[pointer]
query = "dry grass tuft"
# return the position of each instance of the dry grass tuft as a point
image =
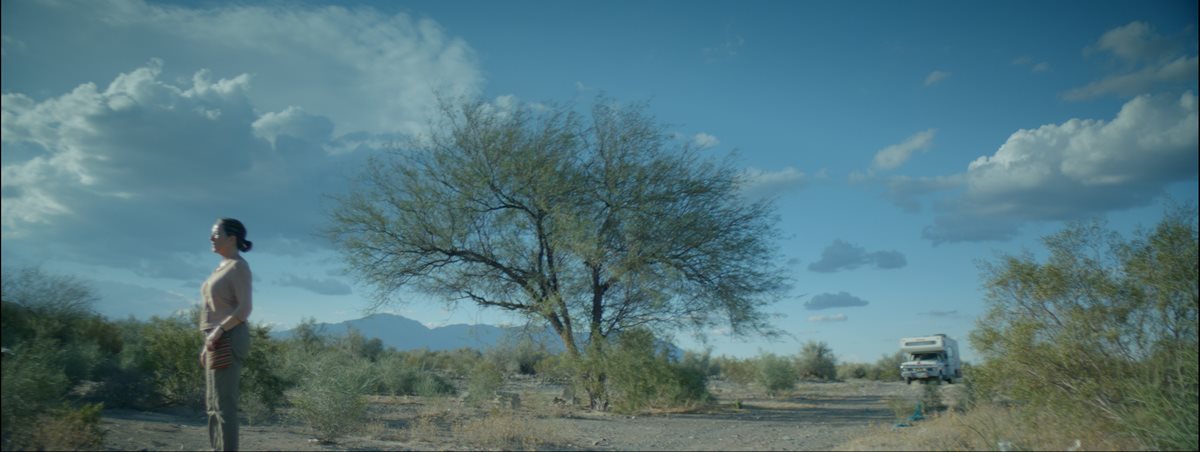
(988, 427)
(507, 430)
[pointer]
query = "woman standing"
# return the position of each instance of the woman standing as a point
(227, 304)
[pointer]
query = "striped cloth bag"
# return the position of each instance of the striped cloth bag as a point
(222, 357)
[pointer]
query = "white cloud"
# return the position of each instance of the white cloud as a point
(1134, 41)
(124, 141)
(293, 122)
(146, 166)
(838, 300)
(1040, 67)
(936, 77)
(366, 70)
(827, 318)
(1180, 70)
(1075, 169)
(249, 111)
(704, 141)
(1150, 60)
(893, 156)
(841, 255)
(759, 183)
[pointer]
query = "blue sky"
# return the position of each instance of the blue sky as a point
(904, 142)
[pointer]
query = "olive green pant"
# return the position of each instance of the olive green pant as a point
(221, 393)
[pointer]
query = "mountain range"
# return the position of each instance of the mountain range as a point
(403, 333)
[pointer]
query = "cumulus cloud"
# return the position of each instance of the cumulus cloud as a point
(326, 286)
(293, 122)
(759, 183)
(827, 318)
(704, 141)
(1150, 60)
(1075, 169)
(838, 300)
(841, 255)
(891, 157)
(249, 111)
(145, 166)
(936, 77)
(367, 70)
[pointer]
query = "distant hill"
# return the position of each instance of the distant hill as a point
(403, 333)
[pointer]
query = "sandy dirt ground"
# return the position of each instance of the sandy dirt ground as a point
(816, 416)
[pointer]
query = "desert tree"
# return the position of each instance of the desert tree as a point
(591, 223)
(1104, 330)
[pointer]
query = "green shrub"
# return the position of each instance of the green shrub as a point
(331, 399)
(33, 382)
(128, 388)
(172, 355)
(262, 384)
(638, 376)
(63, 428)
(887, 367)
(1102, 332)
(394, 378)
(702, 362)
(931, 398)
(517, 355)
(485, 380)
(555, 368)
(816, 360)
(459, 363)
(901, 407)
(736, 370)
(847, 371)
(356, 344)
(776, 374)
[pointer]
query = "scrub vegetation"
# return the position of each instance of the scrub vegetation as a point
(1091, 347)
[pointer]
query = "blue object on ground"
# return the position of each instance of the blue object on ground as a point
(916, 416)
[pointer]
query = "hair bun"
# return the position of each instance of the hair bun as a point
(246, 245)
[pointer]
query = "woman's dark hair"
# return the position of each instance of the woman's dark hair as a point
(237, 229)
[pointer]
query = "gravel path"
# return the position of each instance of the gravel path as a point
(815, 417)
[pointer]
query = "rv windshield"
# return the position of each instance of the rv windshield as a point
(927, 356)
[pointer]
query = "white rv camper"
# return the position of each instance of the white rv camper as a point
(930, 358)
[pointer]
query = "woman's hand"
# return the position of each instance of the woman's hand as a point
(210, 342)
